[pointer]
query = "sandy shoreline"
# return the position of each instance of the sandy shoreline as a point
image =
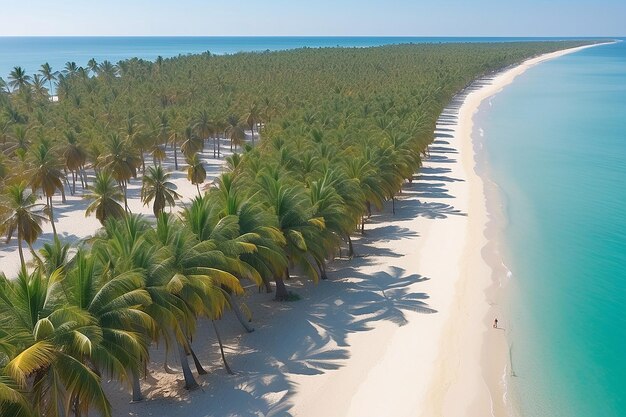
(404, 329)
(473, 366)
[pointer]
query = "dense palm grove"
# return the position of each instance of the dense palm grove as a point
(342, 130)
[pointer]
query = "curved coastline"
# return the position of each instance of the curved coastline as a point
(474, 361)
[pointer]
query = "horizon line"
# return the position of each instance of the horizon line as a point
(315, 36)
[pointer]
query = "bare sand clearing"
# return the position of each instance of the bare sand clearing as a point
(403, 329)
(73, 226)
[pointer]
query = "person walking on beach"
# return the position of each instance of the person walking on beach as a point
(495, 323)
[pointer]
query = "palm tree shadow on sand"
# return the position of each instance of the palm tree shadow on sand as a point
(309, 337)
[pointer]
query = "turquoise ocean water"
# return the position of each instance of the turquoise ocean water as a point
(555, 143)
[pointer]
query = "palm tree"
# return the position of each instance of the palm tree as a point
(131, 245)
(192, 143)
(13, 400)
(196, 174)
(38, 87)
(74, 157)
(70, 69)
(93, 66)
(120, 160)
(158, 189)
(55, 255)
(20, 140)
(48, 74)
(201, 270)
(204, 127)
(46, 176)
(4, 88)
(18, 78)
(252, 118)
(21, 216)
(52, 343)
(256, 224)
(294, 211)
(235, 131)
(117, 302)
(106, 196)
(107, 70)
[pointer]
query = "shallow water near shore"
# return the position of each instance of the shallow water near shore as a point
(555, 145)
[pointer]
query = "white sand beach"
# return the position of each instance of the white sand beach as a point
(402, 329)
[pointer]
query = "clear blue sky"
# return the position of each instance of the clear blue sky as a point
(314, 17)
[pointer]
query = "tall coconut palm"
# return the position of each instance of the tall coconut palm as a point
(106, 196)
(51, 343)
(296, 221)
(363, 170)
(120, 160)
(107, 70)
(38, 88)
(117, 302)
(92, 64)
(196, 174)
(158, 189)
(201, 270)
(329, 205)
(18, 79)
(252, 117)
(192, 143)
(19, 141)
(49, 75)
(55, 255)
(21, 215)
(235, 131)
(70, 69)
(75, 158)
(3, 87)
(205, 127)
(46, 176)
(255, 222)
(130, 245)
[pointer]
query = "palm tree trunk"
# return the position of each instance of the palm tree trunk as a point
(66, 181)
(281, 290)
(175, 152)
(19, 248)
(83, 177)
(268, 285)
(350, 247)
(219, 341)
(198, 188)
(54, 229)
(190, 381)
(125, 189)
(237, 310)
(196, 362)
(137, 395)
(322, 268)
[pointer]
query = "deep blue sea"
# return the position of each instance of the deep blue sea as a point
(31, 52)
(556, 146)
